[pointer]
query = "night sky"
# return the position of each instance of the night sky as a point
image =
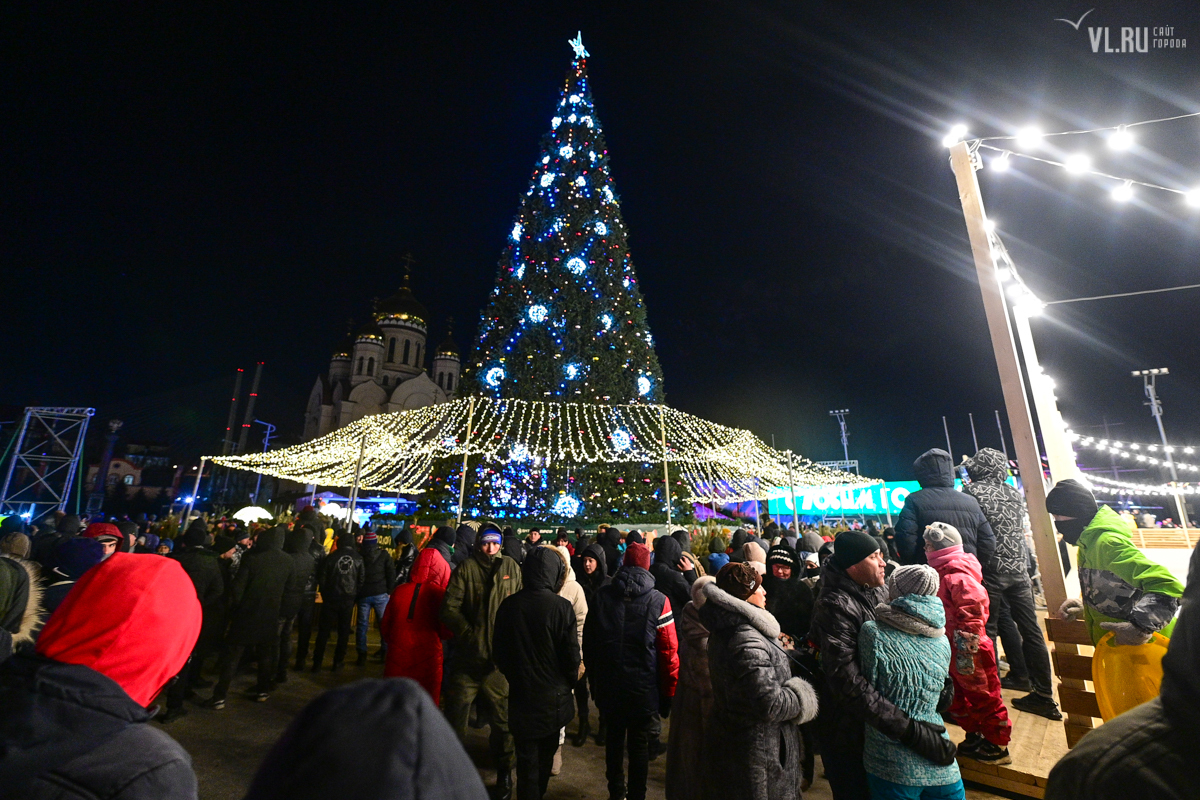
(192, 189)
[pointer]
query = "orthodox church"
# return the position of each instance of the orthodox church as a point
(380, 368)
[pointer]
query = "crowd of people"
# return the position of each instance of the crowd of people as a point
(758, 651)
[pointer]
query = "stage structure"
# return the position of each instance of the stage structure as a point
(396, 452)
(46, 452)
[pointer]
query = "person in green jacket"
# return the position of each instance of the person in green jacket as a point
(1123, 590)
(477, 587)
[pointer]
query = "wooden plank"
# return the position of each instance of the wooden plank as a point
(997, 782)
(1075, 733)
(1078, 701)
(1067, 631)
(1072, 665)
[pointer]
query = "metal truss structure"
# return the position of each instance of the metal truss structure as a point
(45, 457)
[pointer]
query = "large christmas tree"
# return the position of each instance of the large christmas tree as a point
(565, 323)
(566, 320)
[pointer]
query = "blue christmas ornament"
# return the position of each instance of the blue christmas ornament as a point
(643, 384)
(572, 371)
(493, 377)
(537, 314)
(565, 506)
(547, 179)
(576, 265)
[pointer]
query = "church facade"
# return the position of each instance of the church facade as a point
(381, 368)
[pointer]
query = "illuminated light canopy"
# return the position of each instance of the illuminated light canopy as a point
(643, 385)
(566, 506)
(712, 461)
(493, 377)
(519, 453)
(576, 265)
(538, 314)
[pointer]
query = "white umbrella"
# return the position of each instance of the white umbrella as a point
(252, 514)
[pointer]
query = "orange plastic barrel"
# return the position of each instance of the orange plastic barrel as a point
(1126, 676)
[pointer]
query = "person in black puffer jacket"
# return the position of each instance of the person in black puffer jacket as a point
(789, 598)
(536, 647)
(852, 585)
(340, 579)
(513, 547)
(371, 740)
(629, 641)
(379, 578)
(939, 501)
(753, 744)
(668, 577)
(300, 598)
(464, 542)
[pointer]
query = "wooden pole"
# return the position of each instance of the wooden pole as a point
(964, 162)
(662, 423)
(1058, 453)
(462, 483)
(362, 449)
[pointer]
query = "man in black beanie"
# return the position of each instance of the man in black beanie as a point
(1123, 590)
(852, 585)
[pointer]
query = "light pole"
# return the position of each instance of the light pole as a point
(841, 418)
(267, 436)
(1148, 377)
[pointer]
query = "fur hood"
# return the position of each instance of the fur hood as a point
(698, 598)
(762, 621)
(565, 555)
(30, 618)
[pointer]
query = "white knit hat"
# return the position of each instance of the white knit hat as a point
(942, 535)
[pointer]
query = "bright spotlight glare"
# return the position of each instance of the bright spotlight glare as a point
(1004, 274)
(955, 135)
(1029, 137)
(1120, 139)
(1078, 163)
(1123, 193)
(989, 225)
(1001, 163)
(1192, 198)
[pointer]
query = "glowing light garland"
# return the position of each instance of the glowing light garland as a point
(715, 462)
(1110, 486)
(1129, 450)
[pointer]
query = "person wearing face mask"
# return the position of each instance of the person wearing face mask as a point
(1123, 590)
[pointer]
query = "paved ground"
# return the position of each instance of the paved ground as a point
(227, 746)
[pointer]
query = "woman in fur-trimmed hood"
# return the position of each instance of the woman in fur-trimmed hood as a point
(753, 740)
(20, 603)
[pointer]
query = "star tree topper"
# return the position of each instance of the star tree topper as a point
(577, 44)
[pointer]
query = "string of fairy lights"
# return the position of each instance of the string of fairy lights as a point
(717, 463)
(1118, 138)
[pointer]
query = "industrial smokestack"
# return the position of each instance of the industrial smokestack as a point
(227, 444)
(249, 419)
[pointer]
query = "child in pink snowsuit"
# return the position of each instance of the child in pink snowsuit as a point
(978, 707)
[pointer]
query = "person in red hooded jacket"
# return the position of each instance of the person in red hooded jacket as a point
(73, 718)
(411, 624)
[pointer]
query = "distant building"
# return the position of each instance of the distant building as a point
(381, 368)
(140, 466)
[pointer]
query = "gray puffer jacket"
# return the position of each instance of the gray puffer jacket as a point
(754, 741)
(1004, 508)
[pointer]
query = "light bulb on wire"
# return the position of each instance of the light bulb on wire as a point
(1124, 192)
(1029, 137)
(1001, 163)
(955, 135)
(1077, 163)
(1120, 139)
(1192, 198)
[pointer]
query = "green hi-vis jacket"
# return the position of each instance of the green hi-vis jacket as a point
(1119, 583)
